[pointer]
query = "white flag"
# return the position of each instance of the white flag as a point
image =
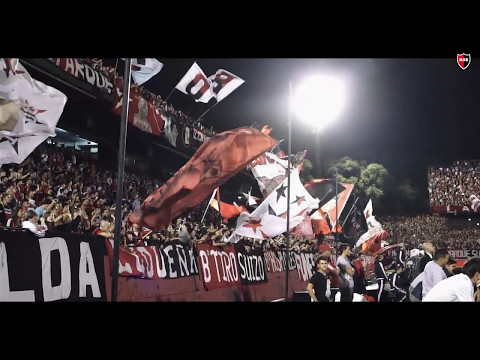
(368, 211)
(223, 83)
(371, 221)
(196, 84)
(270, 218)
(144, 69)
(29, 111)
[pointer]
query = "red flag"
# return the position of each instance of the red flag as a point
(319, 223)
(217, 160)
(227, 210)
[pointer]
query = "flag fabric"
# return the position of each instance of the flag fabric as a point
(227, 211)
(354, 226)
(270, 218)
(368, 211)
(142, 114)
(223, 83)
(304, 229)
(196, 84)
(144, 69)
(370, 219)
(371, 241)
(217, 160)
(319, 223)
(270, 170)
(323, 189)
(331, 207)
(29, 111)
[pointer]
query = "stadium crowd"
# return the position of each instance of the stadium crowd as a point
(69, 192)
(453, 185)
(157, 100)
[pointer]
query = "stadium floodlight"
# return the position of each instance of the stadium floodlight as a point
(319, 100)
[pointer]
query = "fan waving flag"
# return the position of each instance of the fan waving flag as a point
(144, 69)
(223, 83)
(29, 111)
(217, 160)
(270, 218)
(196, 84)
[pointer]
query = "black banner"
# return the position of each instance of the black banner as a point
(59, 266)
(180, 135)
(275, 261)
(251, 266)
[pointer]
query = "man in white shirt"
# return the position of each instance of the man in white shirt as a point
(32, 224)
(434, 272)
(457, 287)
(346, 273)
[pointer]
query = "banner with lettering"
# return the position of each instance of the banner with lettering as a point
(453, 209)
(85, 72)
(275, 260)
(141, 113)
(180, 134)
(218, 266)
(150, 262)
(463, 254)
(305, 265)
(58, 267)
(251, 265)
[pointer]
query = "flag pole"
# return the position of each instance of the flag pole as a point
(346, 217)
(211, 198)
(287, 238)
(336, 207)
(171, 92)
(120, 175)
(210, 108)
(355, 215)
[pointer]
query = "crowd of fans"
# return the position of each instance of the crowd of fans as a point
(453, 185)
(156, 100)
(442, 231)
(69, 192)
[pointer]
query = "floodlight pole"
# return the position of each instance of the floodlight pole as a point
(120, 175)
(287, 237)
(336, 207)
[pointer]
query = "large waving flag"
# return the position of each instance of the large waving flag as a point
(196, 84)
(29, 111)
(323, 189)
(144, 69)
(227, 210)
(223, 83)
(354, 225)
(319, 223)
(331, 207)
(270, 218)
(368, 212)
(218, 159)
(304, 229)
(270, 170)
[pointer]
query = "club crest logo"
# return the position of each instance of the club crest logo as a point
(463, 60)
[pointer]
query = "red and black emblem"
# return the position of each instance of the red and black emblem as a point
(463, 60)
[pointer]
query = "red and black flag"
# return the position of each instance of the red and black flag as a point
(217, 160)
(323, 189)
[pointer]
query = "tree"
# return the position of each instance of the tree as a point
(306, 173)
(371, 180)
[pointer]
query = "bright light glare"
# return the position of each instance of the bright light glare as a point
(319, 100)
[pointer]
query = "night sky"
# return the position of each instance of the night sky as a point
(403, 113)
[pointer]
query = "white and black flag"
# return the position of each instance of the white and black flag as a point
(29, 111)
